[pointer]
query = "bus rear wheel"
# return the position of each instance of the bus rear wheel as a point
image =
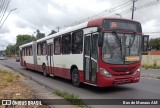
(45, 71)
(75, 77)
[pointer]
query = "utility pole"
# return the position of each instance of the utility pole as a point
(133, 8)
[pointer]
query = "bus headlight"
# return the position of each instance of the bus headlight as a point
(105, 73)
(137, 71)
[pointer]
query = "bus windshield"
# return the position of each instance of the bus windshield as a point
(121, 48)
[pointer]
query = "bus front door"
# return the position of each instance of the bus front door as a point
(90, 58)
(49, 57)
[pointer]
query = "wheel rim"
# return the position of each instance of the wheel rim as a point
(75, 78)
(44, 70)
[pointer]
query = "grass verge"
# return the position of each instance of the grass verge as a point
(7, 78)
(73, 99)
(150, 66)
(11, 86)
(158, 77)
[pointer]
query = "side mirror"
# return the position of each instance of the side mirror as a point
(145, 40)
(100, 40)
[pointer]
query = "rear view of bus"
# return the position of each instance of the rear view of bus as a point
(119, 52)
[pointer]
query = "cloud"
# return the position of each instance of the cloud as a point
(5, 41)
(21, 24)
(46, 15)
(4, 30)
(149, 25)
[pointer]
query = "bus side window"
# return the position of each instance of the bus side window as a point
(44, 48)
(66, 44)
(57, 46)
(38, 49)
(77, 42)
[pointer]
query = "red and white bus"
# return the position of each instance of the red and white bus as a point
(102, 52)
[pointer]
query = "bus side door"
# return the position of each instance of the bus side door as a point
(50, 57)
(90, 58)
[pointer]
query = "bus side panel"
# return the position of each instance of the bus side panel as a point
(81, 76)
(62, 72)
(63, 63)
(29, 62)
(41, 59)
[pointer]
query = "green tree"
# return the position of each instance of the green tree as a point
(10, 50)
(23, 39)
(40, 35)
(154, 43)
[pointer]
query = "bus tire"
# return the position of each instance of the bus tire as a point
(44, 70)
(75, 77)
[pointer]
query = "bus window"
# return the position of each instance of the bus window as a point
(31, 52)
(77, 42)
(38, 49)
(57, 46)
(43, 48)
(27, 51)
(66, 44)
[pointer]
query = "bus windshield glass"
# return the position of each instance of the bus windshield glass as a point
(121, 48)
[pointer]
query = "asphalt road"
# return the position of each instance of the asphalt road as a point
(145, 89)
(155, 72)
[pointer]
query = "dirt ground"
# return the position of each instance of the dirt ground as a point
(15, 86)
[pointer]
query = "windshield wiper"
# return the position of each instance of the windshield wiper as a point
(134, 34)
(117, 39)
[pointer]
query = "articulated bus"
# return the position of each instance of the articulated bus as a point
(102, 52)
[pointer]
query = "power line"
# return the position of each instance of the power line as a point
(7, 17)
(1, 8)
(121, 6)
(99, 14)
(1, 3)
(147, 5)
(117, 9)
(140, 7)
(7, 4)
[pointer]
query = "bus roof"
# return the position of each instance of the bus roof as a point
(27, 44)
(93, 23)
(69, 29)
(98, 22)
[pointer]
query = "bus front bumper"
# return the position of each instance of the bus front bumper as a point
(117, 80)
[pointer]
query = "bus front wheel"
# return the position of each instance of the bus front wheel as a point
(75, 77)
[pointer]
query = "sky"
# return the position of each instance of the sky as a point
(47, 15)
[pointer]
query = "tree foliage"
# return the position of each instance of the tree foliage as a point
(22, 39)
(154, 43)
(39, 35)
(10, 50)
